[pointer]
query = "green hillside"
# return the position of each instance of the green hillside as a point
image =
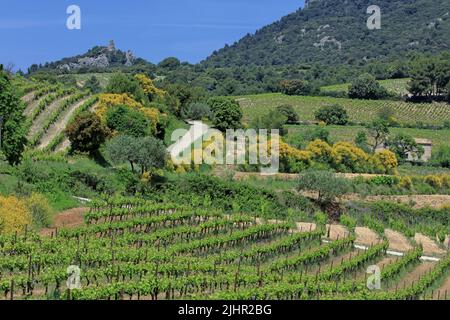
(394, 86)
(335, 32)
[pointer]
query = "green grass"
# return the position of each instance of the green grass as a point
(395, 86)
(360, 111)
(348, 133)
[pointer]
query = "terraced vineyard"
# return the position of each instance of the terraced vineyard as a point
(133, 249)
(359, 111)
(48, 110)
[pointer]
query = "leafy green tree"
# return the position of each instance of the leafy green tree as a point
(326, 184)
(361, 141)
(430, 76)
(295, 87)
(366, 87)
(332, 115)
(123, 83)
(152, 154)
(87, 133)
(272, 120)
(196, 111)
(379, 132)
(12, 131)
(170, 63)
(93, 84)
(227, 113)
(404, 145)
(127, 121)
(148, 152)
(288, 111)
(123, 149)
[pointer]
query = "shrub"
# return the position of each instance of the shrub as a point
(366, 87)
(87, 133)
(295, 87)
(320, 218)
(40, 210)
(384, 181)
(434, 181)
(196, 111)
(406, 183)
(127, 121)
(446, 181)
(387, 161)
(14, 215)
(348, 222)
(321, 150)
(288, 111)
(332, 115)
(442, 157)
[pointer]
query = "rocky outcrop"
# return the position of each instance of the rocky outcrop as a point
(100, 61)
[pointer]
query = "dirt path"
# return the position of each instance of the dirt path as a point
(68, 219)
(414, 275)
(60, 124)
(441, 292)
(28, 97)
(39, 121)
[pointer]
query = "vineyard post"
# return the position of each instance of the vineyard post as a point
(12, 290)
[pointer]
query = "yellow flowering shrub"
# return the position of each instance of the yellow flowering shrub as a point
(406, 183)
(321, 150)
(351, 157)
(148, 86)
(446, 181)
(385, 160)
(434, 181)
(14, 215)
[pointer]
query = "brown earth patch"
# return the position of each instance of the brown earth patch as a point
(430, 247)
(367, 237)
(397, 241)
(68, 219)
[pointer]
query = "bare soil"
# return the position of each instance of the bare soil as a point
(430, 247)
(68, 219)
(367, 237)
(397, 241)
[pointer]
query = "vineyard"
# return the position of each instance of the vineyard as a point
(393, 86)
(359, 111)
(132, 249)
(48, 110)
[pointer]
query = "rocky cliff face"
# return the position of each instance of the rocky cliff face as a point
(100, 57)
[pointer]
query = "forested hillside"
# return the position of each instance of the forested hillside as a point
(335, 31)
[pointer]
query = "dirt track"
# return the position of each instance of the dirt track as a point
(69, 219)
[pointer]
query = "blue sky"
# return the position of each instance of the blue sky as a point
(35, 31)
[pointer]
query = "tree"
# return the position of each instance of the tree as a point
(366, 87)
(87, 133)
(272, 120)
(196, 111)
(332, 115)
(326, 184)
(404, 145)
(170, 63)
(12, 130)
(152, 154)
(430, 76)
(288, 111)
(93, 85)
(122, 149)
(147, 152)
(128, 121)
(361, 140)
(379, 131)
(227, 113)
(295, 87)
(122, 83)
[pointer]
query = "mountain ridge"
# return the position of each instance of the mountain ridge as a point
(333, 31)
